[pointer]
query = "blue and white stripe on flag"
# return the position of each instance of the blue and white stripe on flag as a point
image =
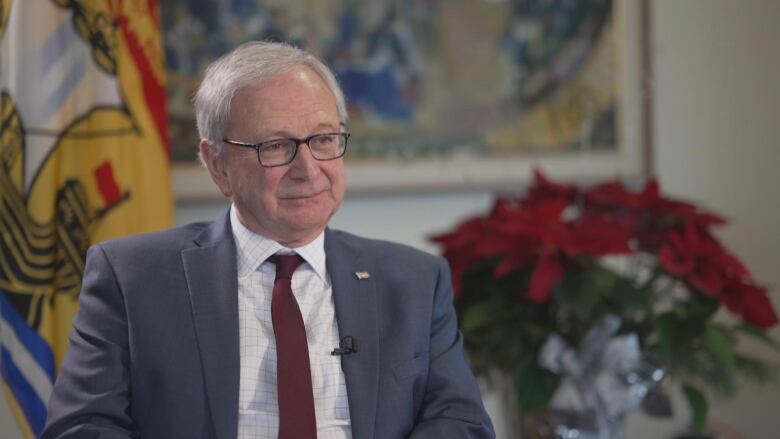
(26, 363)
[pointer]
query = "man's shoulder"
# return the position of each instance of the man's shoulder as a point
(379, 249)
(175, 239)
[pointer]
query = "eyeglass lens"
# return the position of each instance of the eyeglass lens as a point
(322, 146)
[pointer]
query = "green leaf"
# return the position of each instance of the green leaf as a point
(481, 314)
(718, 344)
(698, 404)
(755, 369)
(534, 386)
(701, 307)
(630, 298)
(674, 338)
(667, 341)
(677, 338)
(759, 335)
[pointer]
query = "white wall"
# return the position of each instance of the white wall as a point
(717, 141)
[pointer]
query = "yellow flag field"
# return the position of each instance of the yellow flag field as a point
(83, 158)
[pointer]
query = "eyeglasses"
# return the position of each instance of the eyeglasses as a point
(279, 152)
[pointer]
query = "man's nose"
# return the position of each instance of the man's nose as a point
(304, 165)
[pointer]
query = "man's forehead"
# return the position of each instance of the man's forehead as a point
(271, 130)
(292, 103)
(296, 76)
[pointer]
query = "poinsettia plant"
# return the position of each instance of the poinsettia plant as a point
(560, 259)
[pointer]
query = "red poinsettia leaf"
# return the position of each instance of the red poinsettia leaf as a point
(491, 245)
(596, 236)
(694, 256)
(708, 280)
(503, 208)
(734, 266)
(708, 219)
(520, 226)
(651, 240)
(757, 308)
(550, 210)
(544, 188)
(510, 263)
(692, 240)
(609, 194)
(750, 302)
(674, 262)
(650, 193)
(680, 212)
(461, 237)
(456, 273)
(547, 272)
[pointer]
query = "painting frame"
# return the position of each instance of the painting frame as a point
(192, 184)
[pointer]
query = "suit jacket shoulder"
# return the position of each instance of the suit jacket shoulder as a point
(170, 240)
(149, 253)
(381, 251)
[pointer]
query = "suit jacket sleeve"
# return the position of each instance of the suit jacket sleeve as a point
(452, 406)
(91, 397)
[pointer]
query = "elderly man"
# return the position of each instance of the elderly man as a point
(266, 323)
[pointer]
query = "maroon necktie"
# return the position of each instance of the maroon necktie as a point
(296, 401)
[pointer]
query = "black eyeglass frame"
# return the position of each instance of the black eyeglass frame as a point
(298, 143)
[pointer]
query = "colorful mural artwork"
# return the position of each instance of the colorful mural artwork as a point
(429, 80)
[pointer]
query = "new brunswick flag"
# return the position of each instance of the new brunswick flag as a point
(83, 158)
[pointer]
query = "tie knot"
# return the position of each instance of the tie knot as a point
(286, 264)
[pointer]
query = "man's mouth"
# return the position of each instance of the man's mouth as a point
(293, 197)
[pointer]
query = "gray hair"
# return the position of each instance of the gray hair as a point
(249, 63)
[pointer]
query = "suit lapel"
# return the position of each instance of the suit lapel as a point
(212, 281)
(356, 313)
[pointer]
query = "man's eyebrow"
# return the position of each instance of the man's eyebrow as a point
(329, 126)
(320, 128)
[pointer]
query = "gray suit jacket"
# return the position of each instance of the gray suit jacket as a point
(155, 347)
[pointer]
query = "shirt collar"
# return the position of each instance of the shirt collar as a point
(253, 249)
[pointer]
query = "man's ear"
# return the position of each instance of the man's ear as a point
(216, 166)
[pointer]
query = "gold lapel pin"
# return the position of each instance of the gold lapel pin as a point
(362, 275)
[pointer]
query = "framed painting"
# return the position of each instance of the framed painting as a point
(457, 94)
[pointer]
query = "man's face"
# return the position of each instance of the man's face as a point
(293, 203)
